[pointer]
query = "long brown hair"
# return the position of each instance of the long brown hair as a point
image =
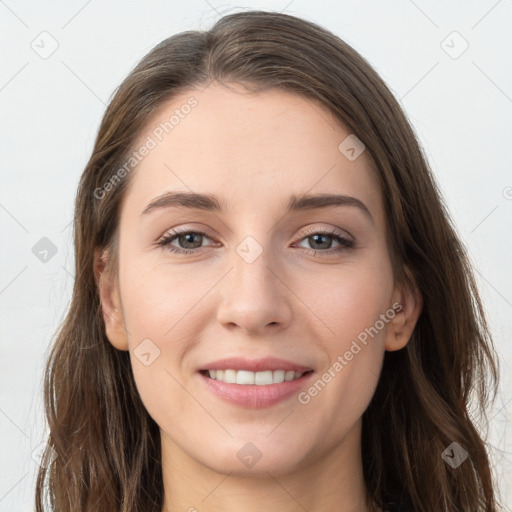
(106, 447)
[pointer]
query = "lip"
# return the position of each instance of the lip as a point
(252, 396)
(255, 365)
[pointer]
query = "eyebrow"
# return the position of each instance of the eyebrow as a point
(211, 203)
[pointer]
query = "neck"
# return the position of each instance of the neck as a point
(331, 481)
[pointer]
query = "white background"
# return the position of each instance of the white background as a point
(50, 110)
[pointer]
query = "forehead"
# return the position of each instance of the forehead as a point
(249, 148)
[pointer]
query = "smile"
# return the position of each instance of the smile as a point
(262, 378)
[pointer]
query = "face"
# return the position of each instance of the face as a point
(303, 292)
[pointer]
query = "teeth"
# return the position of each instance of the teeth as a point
(290, 375)
(259, 378)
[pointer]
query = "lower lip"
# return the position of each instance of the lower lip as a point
(252, 396)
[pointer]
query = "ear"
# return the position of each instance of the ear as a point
(110, 302)
(407, 304)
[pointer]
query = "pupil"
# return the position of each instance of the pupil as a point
(189, 238)
(320, 236)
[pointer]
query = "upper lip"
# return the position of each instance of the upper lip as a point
(254, 365)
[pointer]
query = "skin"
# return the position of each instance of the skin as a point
(253, 151)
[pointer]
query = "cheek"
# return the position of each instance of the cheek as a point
(162, 315)
(161, 320)
(161, 302)
(348, 301)
(351, 333)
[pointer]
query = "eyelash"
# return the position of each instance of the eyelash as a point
(345, 243)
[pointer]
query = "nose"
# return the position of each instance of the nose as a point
(255, 297)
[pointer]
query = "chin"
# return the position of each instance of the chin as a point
(253, 458)
(275, 465)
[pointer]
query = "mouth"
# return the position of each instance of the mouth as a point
(255, 389)
(254, 383)
(259, 378)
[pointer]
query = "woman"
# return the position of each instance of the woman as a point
(316, 349)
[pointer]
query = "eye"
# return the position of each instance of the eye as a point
(319, 239)
(189, 242)
(192, 240)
